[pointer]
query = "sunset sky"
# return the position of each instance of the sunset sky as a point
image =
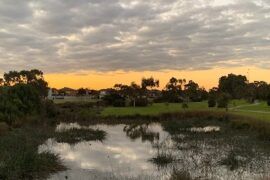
(97, 43)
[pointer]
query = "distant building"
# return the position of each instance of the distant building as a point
(105, 92)
(68, 91)
(54, 94)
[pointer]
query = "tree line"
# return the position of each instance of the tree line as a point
(23, 93)
(182, 91)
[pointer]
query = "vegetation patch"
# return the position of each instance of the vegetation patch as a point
(74, 136)
(162, 159)
(20, 159)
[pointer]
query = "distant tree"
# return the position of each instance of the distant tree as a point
(149, 82)
(193, 92)
(211, 101)
(114, 99)
(134, 92)
(174, 90)
(268, 100)
(81, 92)
(260, 89)
(223, 100)
(235, 85)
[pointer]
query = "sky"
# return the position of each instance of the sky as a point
(96, 43)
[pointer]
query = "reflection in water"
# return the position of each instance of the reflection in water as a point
(142, 131)
(205, 129)
(116, 156)
(128, 149)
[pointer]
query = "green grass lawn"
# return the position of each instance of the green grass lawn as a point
(159, 108)
(74, 99)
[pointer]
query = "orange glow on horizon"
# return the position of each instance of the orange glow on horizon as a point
(205, 78)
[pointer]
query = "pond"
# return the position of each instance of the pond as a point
(147, 151)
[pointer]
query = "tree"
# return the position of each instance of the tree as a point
(149, 82)
(268, 100)
(19, 101)
(234, 85)
(81, 92)
(174, 90)
(223, 100)
(194, 93)
(212, 102)
(33, 77)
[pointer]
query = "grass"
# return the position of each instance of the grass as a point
(155, 109)
(162, 159)
(75, 99)
(20, 159)
(74, 136)
(244, 109)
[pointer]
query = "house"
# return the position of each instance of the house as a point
(104, 92)
(66, 91)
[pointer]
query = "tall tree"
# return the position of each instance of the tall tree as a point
(149, 82)
(33, 77)
(234, 85)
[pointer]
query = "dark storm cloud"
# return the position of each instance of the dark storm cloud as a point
(106, 35)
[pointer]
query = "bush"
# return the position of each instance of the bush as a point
(268, 100)
(51, 110)
(18, 102)
(119, 103)
(184, 105)
(114, 99)
(223, 100)
(211, 102)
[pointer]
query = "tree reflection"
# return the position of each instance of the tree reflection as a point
(136, 131)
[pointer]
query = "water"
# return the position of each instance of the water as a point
(128, 150)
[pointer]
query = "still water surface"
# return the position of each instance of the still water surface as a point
(126, 154)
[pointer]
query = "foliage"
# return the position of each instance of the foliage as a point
(20, 159)
(74, 136)
(184, 105)
(234, 85)
(51, 111)
(114, 99)
(268, 100)
(33, 77)
(223, 100)
(81, 92)
(211, 102)
(18, 101)
(149, 82)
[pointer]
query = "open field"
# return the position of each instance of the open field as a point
(240, 107)
(74, 99)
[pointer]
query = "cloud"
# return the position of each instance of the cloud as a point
(105, 35)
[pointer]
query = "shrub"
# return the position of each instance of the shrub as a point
(268, 100)
(223, 100)
(114, 99)
(184, 105)
(119, 103)
(51, 110)
(211, 102)
(19, 101)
